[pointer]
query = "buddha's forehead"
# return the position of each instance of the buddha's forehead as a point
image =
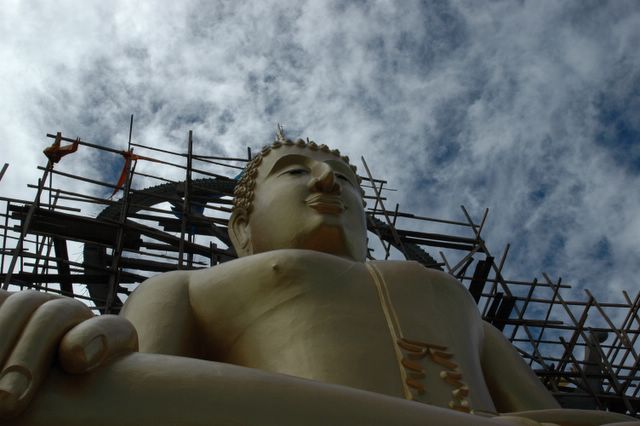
(299, 155)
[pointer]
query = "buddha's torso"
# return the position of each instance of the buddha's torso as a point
(326, 318)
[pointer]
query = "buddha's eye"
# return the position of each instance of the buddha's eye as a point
(343, 178)
(297, 172)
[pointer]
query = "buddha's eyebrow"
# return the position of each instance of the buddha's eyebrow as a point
(288, 160)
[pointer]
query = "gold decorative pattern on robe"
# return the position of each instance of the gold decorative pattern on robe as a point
(415, 351)
(410, 353)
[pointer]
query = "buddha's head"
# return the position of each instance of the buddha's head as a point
(299, 195)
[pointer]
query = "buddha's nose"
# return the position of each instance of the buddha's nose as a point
(324, 179)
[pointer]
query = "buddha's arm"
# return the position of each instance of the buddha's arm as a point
(166, 390)
(516, 390)
(512, 384)
(161, 313)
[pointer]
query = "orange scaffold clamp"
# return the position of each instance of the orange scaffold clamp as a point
(128, 157)
(55, 152)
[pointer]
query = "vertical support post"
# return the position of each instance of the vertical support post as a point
(114, 271)
(377, 232)
(114, 276)
(392, 228)
(378, 192)
(39, 248)
(612, 353)
(623, 340)
(27, 222)
(446, 262)
(4, 235)
(467, 258)
(395, 218)
(578, 368)
(498, 271)
(556, 289)
(4, 169)
(626, 327)
(579, 332)
(525, 305)
(186, 203)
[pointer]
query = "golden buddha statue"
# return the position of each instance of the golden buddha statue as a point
(300, 329)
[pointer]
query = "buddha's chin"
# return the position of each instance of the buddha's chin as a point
(328, 239)
(326, 233)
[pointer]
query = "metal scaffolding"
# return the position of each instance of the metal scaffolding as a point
(585, 351)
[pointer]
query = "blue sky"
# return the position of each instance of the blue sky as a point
(529, 108)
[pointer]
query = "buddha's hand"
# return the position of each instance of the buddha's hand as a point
(34, 326)
(520, 421)
(584, 420)
(566, 416)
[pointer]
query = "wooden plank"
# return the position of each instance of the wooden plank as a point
(75, 227)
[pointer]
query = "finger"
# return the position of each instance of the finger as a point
(517, 421)
(27, 365)
(14, 316)
(92, 342)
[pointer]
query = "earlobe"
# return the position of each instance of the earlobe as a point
(239, 232)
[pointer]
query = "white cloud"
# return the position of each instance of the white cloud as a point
(493, 105)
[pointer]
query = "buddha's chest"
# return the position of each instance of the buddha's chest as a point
(282, 309)
(328, 319)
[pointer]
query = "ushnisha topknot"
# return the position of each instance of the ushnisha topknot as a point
(243, 192)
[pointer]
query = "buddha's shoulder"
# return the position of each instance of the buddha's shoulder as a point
(413, 269)
(158, 289)
(409, 273)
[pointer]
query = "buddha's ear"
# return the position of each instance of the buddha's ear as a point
(239, 232)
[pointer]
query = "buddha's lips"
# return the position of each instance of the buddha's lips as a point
(324, 203)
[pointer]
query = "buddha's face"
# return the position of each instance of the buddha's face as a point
(304, 199)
